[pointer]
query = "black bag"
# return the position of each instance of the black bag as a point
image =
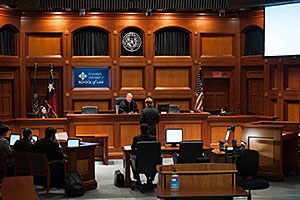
(118, 179)
(74, 185)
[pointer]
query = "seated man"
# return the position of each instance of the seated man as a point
(5, 148)
(144, 136)
(53, 151)
(25, 144)
(128, 105)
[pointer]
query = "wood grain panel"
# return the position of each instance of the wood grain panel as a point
(265, 147)
(217, 45)
(275, 108)
(184, 104)
(256, 96)
(94, 130)
(292, 111)
(132, 77)
(292, 77)
(172, 77)
(41, 45)
(273, 77)
(102, 105)
(191, 131)
(128, 131)
(6, 99)
(83, 166)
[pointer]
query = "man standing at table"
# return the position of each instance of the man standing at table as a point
(128, 106)
(150, 116)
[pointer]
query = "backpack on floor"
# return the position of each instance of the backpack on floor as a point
(74, 185)
(118, 179)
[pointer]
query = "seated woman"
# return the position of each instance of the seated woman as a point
(224, 111)
(43, 113)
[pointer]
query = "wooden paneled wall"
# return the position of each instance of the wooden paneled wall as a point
(216, 44)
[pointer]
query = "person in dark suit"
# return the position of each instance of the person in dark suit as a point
(53, 151)
(25, 144)
(144, 136)
(5, 148)
(128, 105)
(150, 116)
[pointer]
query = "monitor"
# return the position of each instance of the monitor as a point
(13, 138)
(34, 138)
(226, 114)
(73, 143)
(163, 108)
(174, 136)
(174, 109)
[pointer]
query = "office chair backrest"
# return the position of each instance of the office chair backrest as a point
(117, 103)
(89, 110)
(247, 163)
(148, 155)
(190, 151)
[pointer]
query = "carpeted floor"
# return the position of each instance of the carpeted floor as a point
(287, 190)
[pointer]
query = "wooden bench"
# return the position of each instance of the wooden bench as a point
(199, 180)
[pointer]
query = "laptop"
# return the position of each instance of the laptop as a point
(34, 138)
(13, 138)
(73, 143)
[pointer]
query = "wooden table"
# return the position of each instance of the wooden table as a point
(82, 159)
(166, 193)
(101, 151)
(126, 160)
(199, 180)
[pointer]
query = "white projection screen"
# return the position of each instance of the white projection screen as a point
(282, 31)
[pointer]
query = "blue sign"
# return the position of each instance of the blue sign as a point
(91, 77)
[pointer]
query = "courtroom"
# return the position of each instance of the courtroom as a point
(146, 99)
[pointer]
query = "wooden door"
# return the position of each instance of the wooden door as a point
(216, 93)
(6, 99)
(255, 103)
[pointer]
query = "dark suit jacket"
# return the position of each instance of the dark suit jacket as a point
(126, 107)
(140, 138)
(23, 145)
(50, 148)
(150, 116)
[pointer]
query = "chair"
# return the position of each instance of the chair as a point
(40, 166)
(18, 187)
(190, 152)
(148, 155)
(117, 103)
(247, 165)
(89, 110)
(22, 163)
(3, 166)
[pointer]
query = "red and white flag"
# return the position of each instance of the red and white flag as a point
(51, 96)
(199, 94)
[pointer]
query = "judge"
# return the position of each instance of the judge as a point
(128, 106)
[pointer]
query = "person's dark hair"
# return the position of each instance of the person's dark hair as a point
(26, 132)
(144, 128)
(3, 129)
(224, 108)
(50, 131)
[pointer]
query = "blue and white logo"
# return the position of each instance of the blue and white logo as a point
(82, 76)
(92, 77)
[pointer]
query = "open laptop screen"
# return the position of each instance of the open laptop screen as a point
(13, 138)
(73, 143)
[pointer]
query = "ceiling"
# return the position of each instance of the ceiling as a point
(163, 6)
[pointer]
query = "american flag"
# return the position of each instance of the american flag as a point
(199, 94)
